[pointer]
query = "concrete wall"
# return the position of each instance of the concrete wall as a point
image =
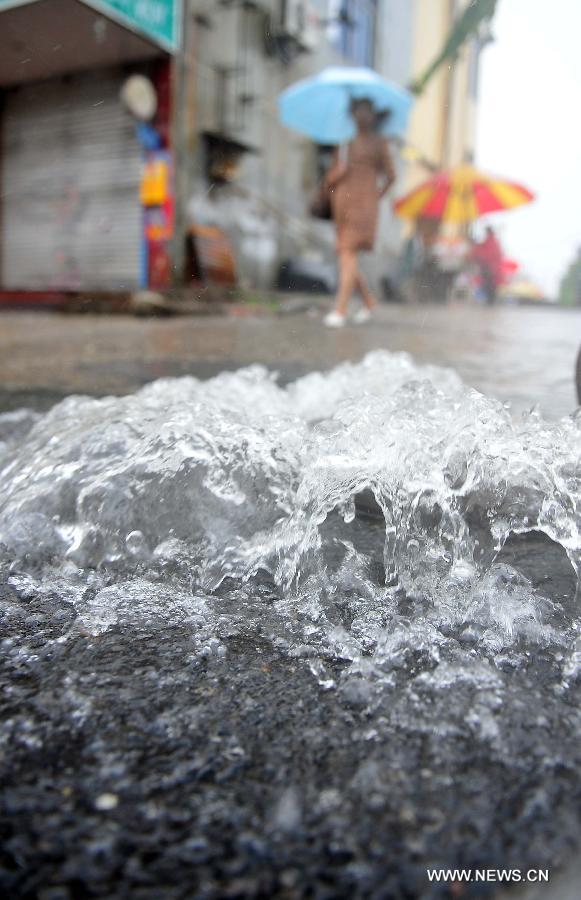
(442, 127)
(394, 59)
(266, 209)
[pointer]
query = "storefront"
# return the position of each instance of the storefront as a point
(74, 214)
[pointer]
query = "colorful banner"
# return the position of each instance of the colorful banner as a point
(157, 203)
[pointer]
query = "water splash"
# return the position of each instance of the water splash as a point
(230, 505)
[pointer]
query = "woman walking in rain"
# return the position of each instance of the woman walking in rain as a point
(357, 184)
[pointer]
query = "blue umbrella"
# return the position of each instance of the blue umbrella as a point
(319, 106)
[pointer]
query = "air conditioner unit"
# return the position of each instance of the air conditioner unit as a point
(299, 22)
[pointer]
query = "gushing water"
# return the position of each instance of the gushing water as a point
(231, 505)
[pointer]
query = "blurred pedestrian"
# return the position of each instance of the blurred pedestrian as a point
(357, 181)
(488, 256)
(409, 264)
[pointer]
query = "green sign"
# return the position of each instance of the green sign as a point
(9, 4)
(158, 20)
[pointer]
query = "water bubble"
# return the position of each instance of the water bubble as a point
(455, 469)
(137, 545)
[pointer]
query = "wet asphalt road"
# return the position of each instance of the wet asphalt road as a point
(132, 771)
(522, 355)
(134, 768)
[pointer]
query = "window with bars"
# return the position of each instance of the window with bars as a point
(353, 30)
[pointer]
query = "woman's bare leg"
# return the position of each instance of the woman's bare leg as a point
(362, 286)
(347, 279)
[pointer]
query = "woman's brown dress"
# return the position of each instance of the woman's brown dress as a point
(355, 193)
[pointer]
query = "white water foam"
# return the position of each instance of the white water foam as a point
(230, 505)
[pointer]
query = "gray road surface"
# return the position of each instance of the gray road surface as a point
(522, 355)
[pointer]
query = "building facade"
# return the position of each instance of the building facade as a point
(99, 195)
(442, 129)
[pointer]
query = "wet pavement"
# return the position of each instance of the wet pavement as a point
(137, 768)
(522, 355)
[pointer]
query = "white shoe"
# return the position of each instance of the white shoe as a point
(362, 316)
(334, 320)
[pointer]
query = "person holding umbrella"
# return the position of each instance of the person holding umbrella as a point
(354, 109)
(357, 184)
(488, 257)
(460, 196)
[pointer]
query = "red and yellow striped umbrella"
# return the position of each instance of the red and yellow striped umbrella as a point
(461, 195)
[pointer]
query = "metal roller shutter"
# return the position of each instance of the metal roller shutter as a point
(70, 170)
